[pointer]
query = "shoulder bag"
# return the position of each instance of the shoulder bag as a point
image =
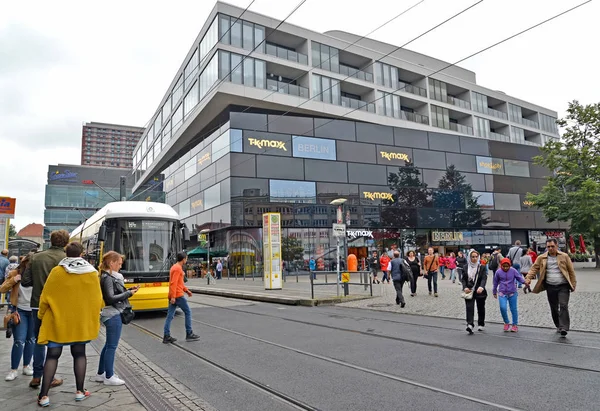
(469, 296)
(127, 314)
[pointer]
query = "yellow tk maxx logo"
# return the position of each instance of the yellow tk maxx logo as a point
(394, 156)
(267, 143)
(373, 196)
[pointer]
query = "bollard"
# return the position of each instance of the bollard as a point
(312, 289)
(346, 289)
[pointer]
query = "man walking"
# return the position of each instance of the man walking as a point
(514, 255)
(398, 272)
(495, 259)
(35, 276)
(3, 263)
(374, 266)
(557, 277)
(431, 265)
(177, 299)
(219, 269)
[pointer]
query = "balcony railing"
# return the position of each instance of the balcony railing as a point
(287, 88)
(499, 137)
(461, 129)
(458, 102)
(358, 104)
(527, 122)
(494, 113)
(414, 117)
(409, 88)
(356, 73)
(286, 54)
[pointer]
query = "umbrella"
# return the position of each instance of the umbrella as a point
(571, 245)
(582, 245)
(198, 251)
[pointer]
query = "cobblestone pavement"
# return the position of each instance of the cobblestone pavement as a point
(584, 306)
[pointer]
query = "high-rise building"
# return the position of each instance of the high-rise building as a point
(108, 145)
(289, 124)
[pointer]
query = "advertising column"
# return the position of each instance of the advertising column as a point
(272, 251)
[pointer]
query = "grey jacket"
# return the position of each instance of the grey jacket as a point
(114, 293)
(38, 271)
(526, 264)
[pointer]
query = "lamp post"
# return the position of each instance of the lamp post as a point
(207, 232)
(339, 202)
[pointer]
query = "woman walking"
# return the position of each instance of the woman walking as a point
(23, 335)
(461, 265)
(116, 297)
(473, 281)
(69, 307)
(415, 268)
(451, 265)
(526, 264)
(505, 291)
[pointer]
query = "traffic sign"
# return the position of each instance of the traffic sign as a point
(339, 230)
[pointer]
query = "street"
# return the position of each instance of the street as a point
(259, 356)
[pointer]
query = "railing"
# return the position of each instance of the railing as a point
(496, 113)
(286, 54)
(358, 104)
(527, 122)
(414, 117)
(499, 137)
(364, 279)
(458, 102)
(461, 129)
(409, 88)
(287, 88)
(356, 73)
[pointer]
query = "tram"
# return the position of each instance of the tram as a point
(148, 235)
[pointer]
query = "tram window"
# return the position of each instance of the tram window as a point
(146, 244)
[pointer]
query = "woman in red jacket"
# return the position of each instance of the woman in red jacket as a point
(383, 263)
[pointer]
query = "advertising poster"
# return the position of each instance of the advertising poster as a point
(272, 251)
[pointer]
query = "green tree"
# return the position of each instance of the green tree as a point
(291, 249)
(573, 190)
(12, 231)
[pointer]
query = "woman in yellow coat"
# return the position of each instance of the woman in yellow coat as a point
(70, 307)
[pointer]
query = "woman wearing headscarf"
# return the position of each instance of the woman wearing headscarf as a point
(473, 280)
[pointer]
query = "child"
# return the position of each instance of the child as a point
(505, 290)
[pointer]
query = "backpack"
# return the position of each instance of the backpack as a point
(406, 271)
(494, 264)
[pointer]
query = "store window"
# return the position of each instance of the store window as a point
(482, 199)
(490, 165)
(516, 168)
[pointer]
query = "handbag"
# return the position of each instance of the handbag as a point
(469, 296)
(127, 315)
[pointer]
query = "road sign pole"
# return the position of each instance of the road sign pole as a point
(338, 267)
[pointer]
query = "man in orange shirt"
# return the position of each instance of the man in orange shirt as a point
(177, 299)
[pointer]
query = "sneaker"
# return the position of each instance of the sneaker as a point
(563, 333)
(168, 339)
(12, 375)
(514, 329)
(99, 377)
(44, 401)
(82, 395)
(435, 294)
(506, 327)
(412, 295)
(402, 305)
(470, 329)
(481, 328)
(28, 370)
(114, 380)
(192, 337)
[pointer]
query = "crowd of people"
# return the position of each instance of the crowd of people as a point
(553, 270)
(58, 299)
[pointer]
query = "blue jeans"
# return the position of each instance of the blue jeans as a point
(23, 340)
(385, 277)
(442, 271)
(180, 302)
(512, 302)
(517, 267)
(453, 274)
(39, 351)
(106, 365)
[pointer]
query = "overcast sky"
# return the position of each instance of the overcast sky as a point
(63, 63)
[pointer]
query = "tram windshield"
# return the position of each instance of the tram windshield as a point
(146, 245)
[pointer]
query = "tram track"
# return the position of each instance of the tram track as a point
(412, 341)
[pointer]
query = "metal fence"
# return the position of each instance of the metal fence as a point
(364, 280)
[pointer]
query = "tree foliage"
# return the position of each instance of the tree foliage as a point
(572, 192)
(292, 249)
(457, 194)
(12, 231)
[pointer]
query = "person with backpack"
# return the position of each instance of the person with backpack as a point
(514, 255)
(495, 258)
(400, 272)
(505, 292)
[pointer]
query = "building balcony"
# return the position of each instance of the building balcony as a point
(461, 128)
(527, 122)
(498, 137)
(283, 53)
(414, 117)
(458, 102)
(356, 73)
(357, 104)
(287, 88)
(409, 88)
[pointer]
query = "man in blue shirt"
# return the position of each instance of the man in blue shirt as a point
(312, 265)
(3, 264)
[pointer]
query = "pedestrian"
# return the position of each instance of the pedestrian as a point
(400, 272)
(451, 265)
(390, 253)
(3, 264)
(312, 266)
(473, 281)
(526, 264)
(35, 276)
(532, 253)
(383, 263)
(374, 266)
(23, 337)
(177, 299)
(461, 264)
(494, 260)
(68, 309)
(506, 292)
(514, 255)
(116, 300)
(442, 262)
(13, 263)
(557, 278)
(431, 265)
(219, 269)
(415, 268)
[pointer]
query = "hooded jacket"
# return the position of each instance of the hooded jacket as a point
(504, 281)
(70, 303)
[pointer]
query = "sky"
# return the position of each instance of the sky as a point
(63, 63)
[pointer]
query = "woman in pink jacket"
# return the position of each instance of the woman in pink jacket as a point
(451, 265)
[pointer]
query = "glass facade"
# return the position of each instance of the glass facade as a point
(251, 72)
(548, 123)
(242, 34)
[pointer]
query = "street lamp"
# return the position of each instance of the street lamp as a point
(339, 202)
(207, 232)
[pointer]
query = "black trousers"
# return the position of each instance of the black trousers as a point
(558, 298)
(470, 304)
(398, 286)
(413, 283)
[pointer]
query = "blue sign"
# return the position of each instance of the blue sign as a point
(309, 147)
(287, 191)
(65, 175)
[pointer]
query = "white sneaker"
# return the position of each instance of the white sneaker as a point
(28, 370)
(99, 377)
(12, 375)
(481, 328)
(114, 380)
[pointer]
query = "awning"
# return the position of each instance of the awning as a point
(198, 251)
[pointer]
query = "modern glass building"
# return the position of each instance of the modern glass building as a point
(286, 120)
